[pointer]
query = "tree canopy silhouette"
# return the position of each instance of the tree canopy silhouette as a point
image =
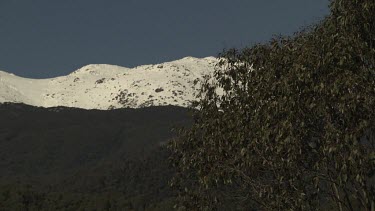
(287, 125)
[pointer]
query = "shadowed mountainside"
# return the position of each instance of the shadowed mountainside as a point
(75, 158)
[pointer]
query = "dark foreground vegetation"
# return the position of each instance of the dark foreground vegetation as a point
(295, 127)
(74, 159)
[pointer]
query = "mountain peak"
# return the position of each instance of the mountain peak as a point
(99, 69)
(105, 86)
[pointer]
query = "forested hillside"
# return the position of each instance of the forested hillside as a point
(74, 159)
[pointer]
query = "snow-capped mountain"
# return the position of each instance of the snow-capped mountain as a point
(102, 86)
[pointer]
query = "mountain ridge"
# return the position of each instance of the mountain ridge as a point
(105, 86)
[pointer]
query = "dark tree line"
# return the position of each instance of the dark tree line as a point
(137, 184)
(74, 159)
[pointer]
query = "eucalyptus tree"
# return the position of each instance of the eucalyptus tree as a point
(293, 128)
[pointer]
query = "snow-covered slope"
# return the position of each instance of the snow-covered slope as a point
(102, 86)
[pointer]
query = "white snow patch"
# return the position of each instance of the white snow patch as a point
(104, 86)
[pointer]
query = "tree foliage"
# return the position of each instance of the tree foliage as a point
(293, 128)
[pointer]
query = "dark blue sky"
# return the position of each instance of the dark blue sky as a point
(46, 38)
